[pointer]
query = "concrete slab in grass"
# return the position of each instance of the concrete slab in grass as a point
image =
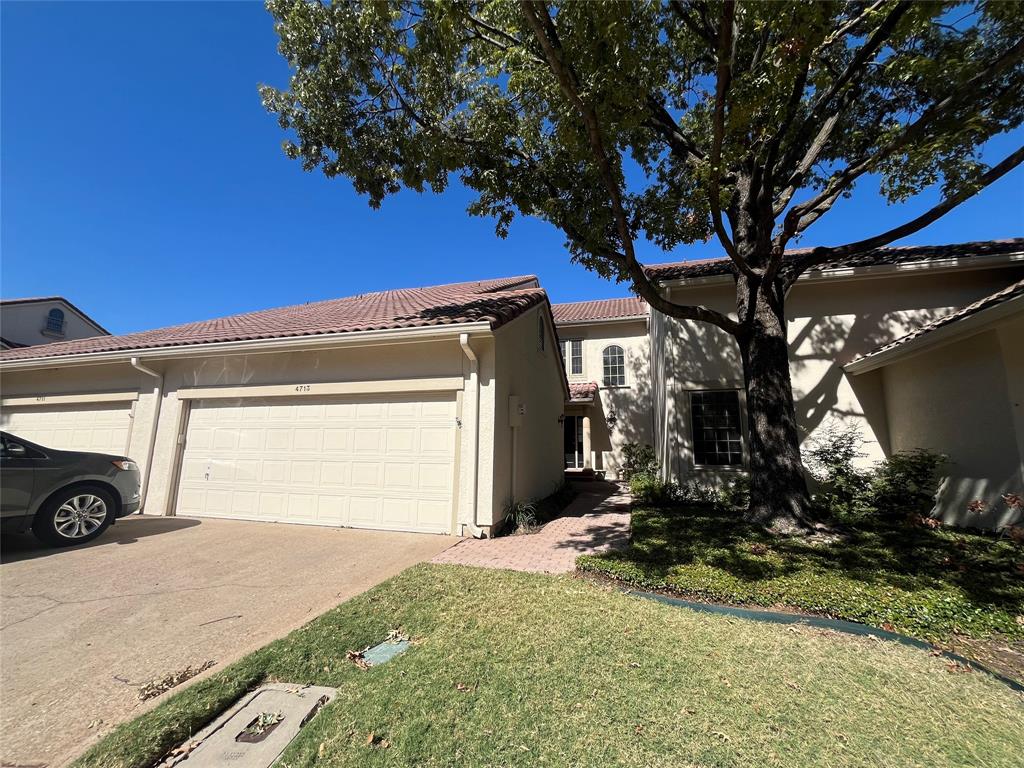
(235, 739)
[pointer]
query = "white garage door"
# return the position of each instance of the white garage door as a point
(363, 462)
(101, 427)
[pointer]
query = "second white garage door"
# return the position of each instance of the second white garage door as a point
(364, 462)
(100, 427)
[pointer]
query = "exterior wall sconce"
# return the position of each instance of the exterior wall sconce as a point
(611, 420)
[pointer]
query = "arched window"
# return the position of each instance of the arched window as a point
(55, 321)
(614, 366)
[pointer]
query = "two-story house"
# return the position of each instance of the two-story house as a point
(915, 347)
(28, 322)
(606, 349)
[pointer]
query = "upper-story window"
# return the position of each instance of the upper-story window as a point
(55, 321)
(572, 356)
(614, 361)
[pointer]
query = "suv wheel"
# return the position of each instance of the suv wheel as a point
(74, 516)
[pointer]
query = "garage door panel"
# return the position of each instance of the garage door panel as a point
(380, 462)
(100, 427)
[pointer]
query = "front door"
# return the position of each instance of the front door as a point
(574, 442)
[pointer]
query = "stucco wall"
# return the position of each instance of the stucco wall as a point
(387, 361)
(830, 324)
(24, 323)
(632, 404)
(955, 399)
(535, 377)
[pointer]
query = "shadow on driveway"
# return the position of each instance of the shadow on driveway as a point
(17, 547)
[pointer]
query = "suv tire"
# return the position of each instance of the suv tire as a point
(74, 516)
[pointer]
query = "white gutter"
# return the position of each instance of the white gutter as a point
(158, 393)
(474, 434)
(876, 270)
(256, 346)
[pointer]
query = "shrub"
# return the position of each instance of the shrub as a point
(648, 488)
(902, 485)
(842, 487)
(735, 492)
(638, 459)
(521, 516)
(905, 483)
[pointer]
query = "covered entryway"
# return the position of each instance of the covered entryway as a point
(368, 461)
(59, 422)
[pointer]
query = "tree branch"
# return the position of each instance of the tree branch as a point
(662, 122)
(803, 215)
(539, 21)
(850, 76)
(823, 255)
(723, 79)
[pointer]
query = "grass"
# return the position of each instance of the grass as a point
(513, 669)
(931, 584)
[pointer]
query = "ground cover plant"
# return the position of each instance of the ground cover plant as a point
(514, 669)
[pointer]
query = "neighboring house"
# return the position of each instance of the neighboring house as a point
(918, 347)
(606, 351)
(424, 409)
(28, 322)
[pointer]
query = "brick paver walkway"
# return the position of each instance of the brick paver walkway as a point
(596, 520)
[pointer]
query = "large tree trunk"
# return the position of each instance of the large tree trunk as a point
(778, 491)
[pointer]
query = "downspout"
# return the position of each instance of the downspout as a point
(158, 392)
(474, 435)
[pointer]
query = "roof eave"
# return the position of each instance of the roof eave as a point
(601, 321)
(937, 337)
(257, 346)
(875, 270)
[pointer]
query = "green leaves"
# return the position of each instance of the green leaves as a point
(406, 94)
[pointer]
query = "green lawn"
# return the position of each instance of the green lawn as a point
(513, 669)
(927, 583)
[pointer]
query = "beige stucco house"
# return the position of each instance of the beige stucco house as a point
(419, 410)
(430, 409)
(44, 320)
(918, 347)
(606, 351)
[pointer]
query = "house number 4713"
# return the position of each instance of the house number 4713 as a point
(302, 387)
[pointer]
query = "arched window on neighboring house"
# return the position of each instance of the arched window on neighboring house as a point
(55, 321)
(614, 361)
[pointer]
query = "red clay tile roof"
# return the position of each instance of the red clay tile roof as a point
(605, 309)
(493, 301)
(582, 393)
(1016, 290)
(893, 255)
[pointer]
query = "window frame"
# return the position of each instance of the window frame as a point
(604, 366)
(569, 348)
(56, 321)
(740, 428)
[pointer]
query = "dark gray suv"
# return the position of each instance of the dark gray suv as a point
(63, 497)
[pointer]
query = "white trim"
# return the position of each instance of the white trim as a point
(257, 346)
(91, 397)
(937, 337)
(317, 389)
(876, 270)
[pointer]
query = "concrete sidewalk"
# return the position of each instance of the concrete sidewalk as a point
(597, 520)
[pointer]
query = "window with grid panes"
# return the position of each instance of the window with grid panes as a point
(717, 437)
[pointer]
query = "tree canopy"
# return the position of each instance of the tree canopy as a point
(671, 121)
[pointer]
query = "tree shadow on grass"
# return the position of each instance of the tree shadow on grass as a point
(877, 554)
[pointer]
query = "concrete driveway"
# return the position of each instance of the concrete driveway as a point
(82, 629)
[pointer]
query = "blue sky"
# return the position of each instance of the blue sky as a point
(142, 179)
